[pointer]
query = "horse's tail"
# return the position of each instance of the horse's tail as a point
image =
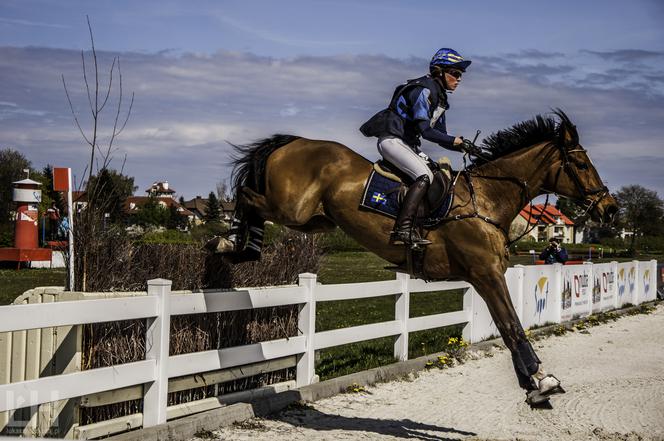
(250, 160)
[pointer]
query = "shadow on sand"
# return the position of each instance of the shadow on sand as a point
(308, 417)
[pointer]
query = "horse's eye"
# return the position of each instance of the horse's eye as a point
(582, 166)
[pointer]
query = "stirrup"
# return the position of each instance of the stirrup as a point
(408, 237)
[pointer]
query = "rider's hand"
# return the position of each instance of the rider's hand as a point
(468, 147)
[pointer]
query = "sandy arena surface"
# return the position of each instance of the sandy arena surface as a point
(614, 377)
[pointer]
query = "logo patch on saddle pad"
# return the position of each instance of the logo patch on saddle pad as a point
(381, 194)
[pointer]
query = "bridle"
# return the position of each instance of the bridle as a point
(569, 169)
(591, 194)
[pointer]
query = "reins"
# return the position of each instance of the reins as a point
(476, 214)
(489, 220)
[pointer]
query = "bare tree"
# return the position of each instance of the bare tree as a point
(92, 235)
(223, 192)
(97, 103)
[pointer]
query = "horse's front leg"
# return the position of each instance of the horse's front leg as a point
(492, 287)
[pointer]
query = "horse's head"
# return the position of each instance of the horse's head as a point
(577, 178)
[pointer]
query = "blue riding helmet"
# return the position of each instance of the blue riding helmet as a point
(447, 57)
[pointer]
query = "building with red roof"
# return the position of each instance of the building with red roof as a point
(165, 196)
(544, 223)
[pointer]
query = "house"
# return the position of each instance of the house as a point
(544, 223)
(79, 200)
(227, 210)
(165, 196)
(198, 206)
(161, 190)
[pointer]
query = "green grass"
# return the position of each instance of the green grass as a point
(350, 267)
(13, 283)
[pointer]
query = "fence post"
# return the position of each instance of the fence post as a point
(157, 339)
(614, 270)
(557, 292)
(588, 269)
(306, 325)
(654, 277)
(517, 297)
(468, 333)
(402, 314)
(636, 297)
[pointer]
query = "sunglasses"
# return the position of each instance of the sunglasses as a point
(455, 73)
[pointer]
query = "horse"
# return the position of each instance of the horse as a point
(315, 186)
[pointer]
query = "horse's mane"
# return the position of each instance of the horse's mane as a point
(249, 161)
(524, 135)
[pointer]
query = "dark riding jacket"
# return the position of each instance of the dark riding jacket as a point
(417, 109)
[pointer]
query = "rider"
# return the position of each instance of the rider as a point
(417, 109)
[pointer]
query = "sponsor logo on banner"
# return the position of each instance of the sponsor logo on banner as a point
(580, 284)
(621, 282)
(631, 279)
(608, 279)
(541, 295)
(597, 291)
(646, 281)
(566, 297)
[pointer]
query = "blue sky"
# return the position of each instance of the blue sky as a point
(207, 72)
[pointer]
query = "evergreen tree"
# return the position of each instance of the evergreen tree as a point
(12, 164)
(109, 190)
(48, 191)
(213, 209)
(152, 213)
(175, 220)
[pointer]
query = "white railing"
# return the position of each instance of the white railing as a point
(541, 294)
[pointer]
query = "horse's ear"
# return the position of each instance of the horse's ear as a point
(569, 137)
(567, 134)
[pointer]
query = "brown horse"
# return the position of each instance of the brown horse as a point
(313, 186)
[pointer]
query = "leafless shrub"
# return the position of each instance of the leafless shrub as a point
(106, 344)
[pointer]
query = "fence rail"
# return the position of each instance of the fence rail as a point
(541, 294)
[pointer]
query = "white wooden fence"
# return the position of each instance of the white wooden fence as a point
(541, 294)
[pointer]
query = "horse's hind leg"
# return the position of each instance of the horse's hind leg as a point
(244, 240)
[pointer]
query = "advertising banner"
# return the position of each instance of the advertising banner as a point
(605, 287)
(626, 283)
(541, 295)
(577, 284)
(648, 281)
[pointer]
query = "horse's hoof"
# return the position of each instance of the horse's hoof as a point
(219, 245)
(538, 401)
(550, 385)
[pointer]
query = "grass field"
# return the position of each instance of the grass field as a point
(13, 283)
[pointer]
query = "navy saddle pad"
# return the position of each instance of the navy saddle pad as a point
(381, 195)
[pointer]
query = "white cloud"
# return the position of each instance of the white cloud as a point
(188, 105)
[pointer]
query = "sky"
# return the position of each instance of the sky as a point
(208, 73)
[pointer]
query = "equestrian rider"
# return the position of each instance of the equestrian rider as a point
(417, 109)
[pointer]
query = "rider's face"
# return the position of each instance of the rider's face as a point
(452, 78)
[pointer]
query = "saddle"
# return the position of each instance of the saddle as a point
(437, 195)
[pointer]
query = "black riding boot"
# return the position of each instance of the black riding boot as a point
(403, 227)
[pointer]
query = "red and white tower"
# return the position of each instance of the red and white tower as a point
(27, 197)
